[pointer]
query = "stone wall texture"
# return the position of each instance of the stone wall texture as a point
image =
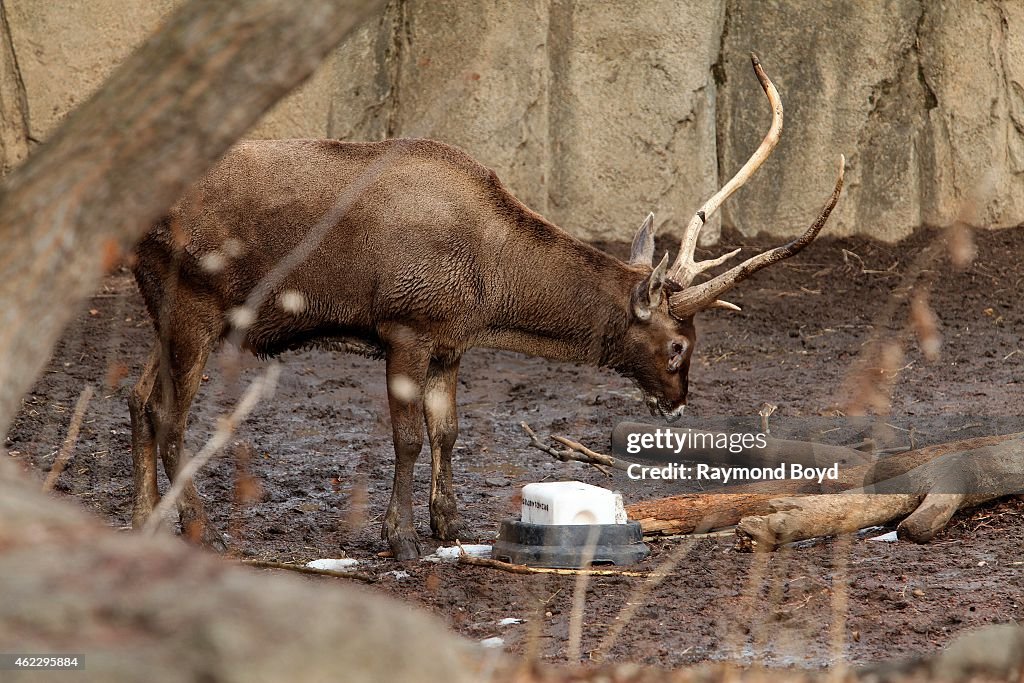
(595, 113)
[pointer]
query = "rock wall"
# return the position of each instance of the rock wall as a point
(54, 54)
(925, 98)
(595, 113)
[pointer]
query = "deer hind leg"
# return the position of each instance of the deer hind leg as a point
(407, 361)
(185, 352)
(442, 430)
(144, 494)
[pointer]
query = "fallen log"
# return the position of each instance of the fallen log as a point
(930, 494)
(690, 512)
(773, 512)
(797, 518)
(930, 517)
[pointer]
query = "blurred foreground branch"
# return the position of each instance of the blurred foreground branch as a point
(121, 159)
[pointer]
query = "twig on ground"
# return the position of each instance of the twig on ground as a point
(720, 533)
(598, 460)
(523, 569)
(302, 569)
(575, 451)
(68, 447)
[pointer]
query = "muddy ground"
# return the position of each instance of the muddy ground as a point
(322, 460)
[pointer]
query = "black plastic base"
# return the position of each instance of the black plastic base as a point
(564, 546)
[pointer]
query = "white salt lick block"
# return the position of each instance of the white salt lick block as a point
(568, 502)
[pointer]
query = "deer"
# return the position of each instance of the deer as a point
(421, 254)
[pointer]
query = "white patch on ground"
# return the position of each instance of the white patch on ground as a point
(493, 642)
(339, 565)
(509, 621)
(451, 553)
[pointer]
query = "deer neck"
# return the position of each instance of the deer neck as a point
(565, 300)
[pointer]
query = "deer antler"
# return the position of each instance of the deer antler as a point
(685, 269)
(705, 295)
(692, 299)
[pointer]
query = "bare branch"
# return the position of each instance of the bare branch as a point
(168, 112)
(302, 569)
(262, 386)
(70, 440)
(575, 452)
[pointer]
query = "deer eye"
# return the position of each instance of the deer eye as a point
(675, 361)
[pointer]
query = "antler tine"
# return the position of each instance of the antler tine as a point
(705, 295)
(685, 269)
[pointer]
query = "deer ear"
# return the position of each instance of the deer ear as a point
(649, 293)
(642, 253)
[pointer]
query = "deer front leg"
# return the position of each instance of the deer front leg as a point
(407, 362)
(443, 430)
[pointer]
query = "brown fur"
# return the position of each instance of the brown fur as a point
(433, 258)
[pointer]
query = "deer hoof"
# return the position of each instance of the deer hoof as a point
(404, 548)
(404, 545)
(217, 542)
(203, 534)
(448, 527)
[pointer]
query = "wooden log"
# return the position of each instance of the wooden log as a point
(797, 518)
(930, 517)
(692, 512)
(952, 481)
(698, 512)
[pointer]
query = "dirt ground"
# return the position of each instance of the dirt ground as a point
(322, 459)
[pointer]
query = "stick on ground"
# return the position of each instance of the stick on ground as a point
(523, 569)
(302, 569)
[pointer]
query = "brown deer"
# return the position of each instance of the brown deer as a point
(411, 251)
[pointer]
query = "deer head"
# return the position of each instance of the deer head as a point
(661, 336)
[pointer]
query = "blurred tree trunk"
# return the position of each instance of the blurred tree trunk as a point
(122, 158)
